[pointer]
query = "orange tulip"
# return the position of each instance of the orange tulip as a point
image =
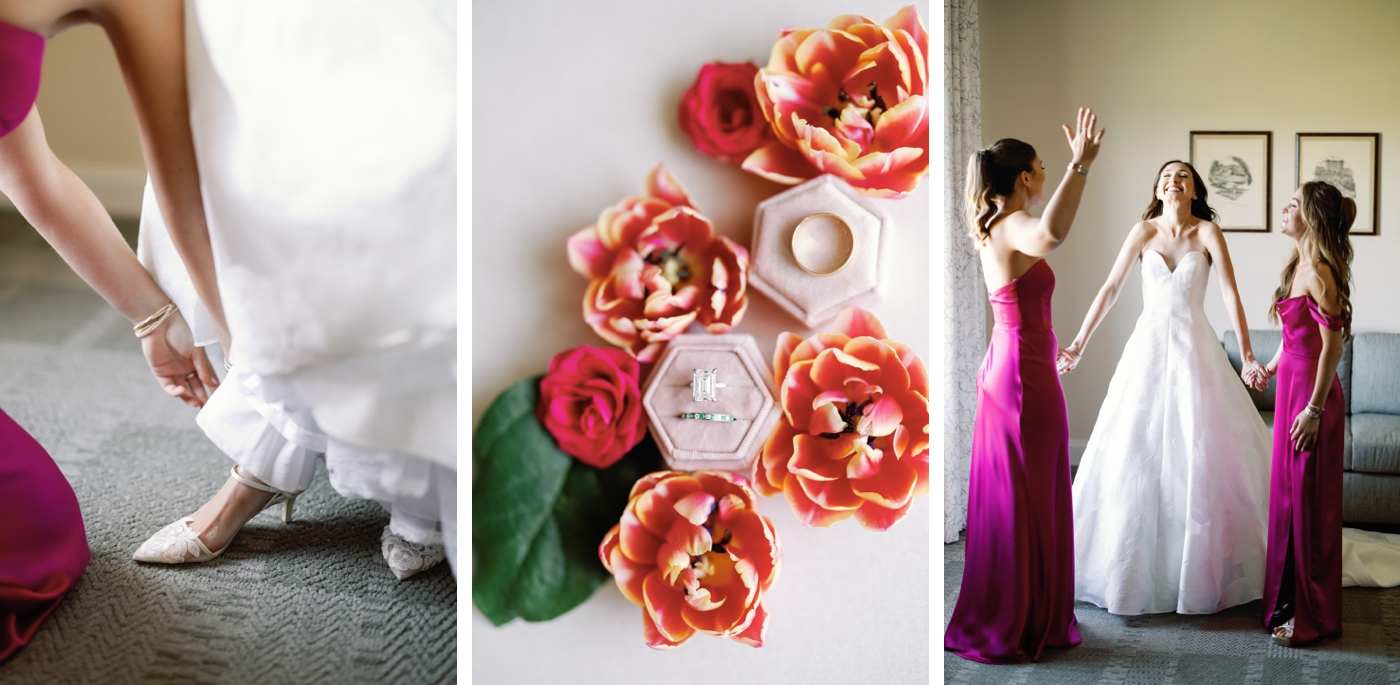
(853, 438)
(692, 550)
(656, 266)
(848, 100)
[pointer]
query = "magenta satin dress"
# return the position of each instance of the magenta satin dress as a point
(1303, 574)
(43, 547)
(1018, 581)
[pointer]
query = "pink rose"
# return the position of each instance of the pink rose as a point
(655, 266)
(721, 113)
(590, 401)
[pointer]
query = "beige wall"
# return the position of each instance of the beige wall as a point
(87, 114)
(1155, 72)
(88, 118)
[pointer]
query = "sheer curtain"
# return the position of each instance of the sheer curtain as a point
(964, 314)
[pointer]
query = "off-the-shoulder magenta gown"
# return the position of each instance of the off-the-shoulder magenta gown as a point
(1303, 575)
(43, 547)
(1017, 593)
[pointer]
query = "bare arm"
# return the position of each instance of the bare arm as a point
(1108, 294)
(149, 39)
(66, 213)
(1219, 252)
(1039, 237)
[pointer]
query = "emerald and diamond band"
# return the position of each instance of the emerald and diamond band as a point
(708, 417)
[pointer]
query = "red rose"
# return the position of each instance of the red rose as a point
(721, 113)
(590, 401)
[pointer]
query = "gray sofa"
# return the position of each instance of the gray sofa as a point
(1370, 375)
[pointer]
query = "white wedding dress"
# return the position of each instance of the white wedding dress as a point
(326, 138)
(1171, 496)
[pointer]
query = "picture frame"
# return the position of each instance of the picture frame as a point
(1237, 169)
(1350, 161)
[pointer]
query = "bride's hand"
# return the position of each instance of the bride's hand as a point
(1067, 359)
(180, 367)
(1254, 375)
(1083, 142)
(1304, 431)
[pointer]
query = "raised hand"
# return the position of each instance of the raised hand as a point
(182, 369)
(1083, 141)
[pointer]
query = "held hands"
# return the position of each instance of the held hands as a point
(1083, 142)
(182, 369)
(1254, 374)
(1068, 358)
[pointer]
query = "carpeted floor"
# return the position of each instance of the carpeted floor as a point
(308, 602)
(1228, 648)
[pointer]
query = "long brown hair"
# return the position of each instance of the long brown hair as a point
(1199, 208)
(991, 178)
(1327, 217)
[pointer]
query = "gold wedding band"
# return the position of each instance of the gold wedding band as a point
(823, 244)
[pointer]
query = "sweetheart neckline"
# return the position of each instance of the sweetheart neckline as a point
(1178, 264)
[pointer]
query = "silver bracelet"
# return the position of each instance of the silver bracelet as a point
(1080, 168)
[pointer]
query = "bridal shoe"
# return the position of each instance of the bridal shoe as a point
(1283, 634)
(407, 559)
(177, 543)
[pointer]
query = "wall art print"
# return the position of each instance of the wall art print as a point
(1350, 161)
(1237, 167)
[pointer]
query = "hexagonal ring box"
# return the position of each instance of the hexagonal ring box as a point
(709, 379)
(815, 299)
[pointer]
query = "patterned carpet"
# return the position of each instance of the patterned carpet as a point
(1228, 648)
(308, 602)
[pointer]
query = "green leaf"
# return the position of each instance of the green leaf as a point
(538, 515)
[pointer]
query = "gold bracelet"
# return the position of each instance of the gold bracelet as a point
(148, 325)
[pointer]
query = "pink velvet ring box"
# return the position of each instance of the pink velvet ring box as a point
(696, 444)
(816, 299)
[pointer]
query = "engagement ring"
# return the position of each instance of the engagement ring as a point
(703, 385)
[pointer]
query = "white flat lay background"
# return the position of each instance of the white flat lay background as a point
(573, 103)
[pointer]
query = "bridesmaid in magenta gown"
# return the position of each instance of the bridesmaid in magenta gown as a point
(43, 547)
(1017, 594)
(1303, 575)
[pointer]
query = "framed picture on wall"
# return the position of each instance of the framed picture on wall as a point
(1237, 167)
(1350, 161)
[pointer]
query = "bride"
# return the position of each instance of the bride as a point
(1171, 496)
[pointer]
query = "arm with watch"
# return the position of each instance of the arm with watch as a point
(1059, 212)
(1303, 431)
(1305, 425)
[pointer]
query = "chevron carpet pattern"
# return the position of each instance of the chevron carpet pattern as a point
(1228, 648)
(306, 602)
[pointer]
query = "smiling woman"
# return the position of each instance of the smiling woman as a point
(1178, 440)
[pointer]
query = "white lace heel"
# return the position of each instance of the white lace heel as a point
(407, 559)
(177, 543)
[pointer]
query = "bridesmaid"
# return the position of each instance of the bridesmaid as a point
(1303, 575)
(1018, 581)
